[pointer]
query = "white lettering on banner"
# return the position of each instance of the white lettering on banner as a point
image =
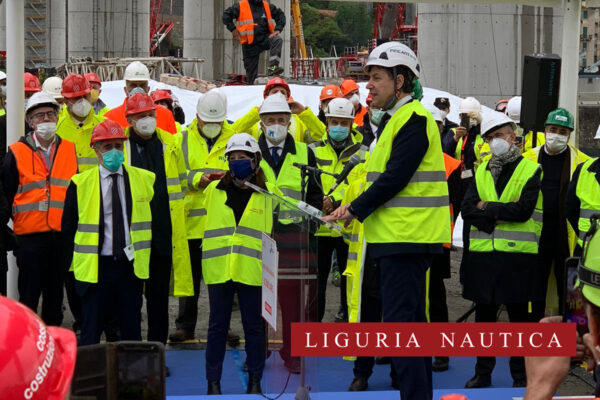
(467, 339)
(270, 262)
(445, 339)
(531, 339)
(413, 340)
(555, 341)
(308, 345)
(345, 340)
(43, 369)
(381, 339)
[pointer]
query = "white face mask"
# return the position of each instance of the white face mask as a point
(211, 131)
(146, 126)
(444, 114)
(556, 142)
(81, 108)
(499, 146)
(46, 130)
(276, 133)
(355, 100)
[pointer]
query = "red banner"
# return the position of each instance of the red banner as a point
(433, 339)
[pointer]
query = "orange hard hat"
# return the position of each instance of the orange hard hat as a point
(107, 130)
(93, 78)
(138, 103)
(454, 396)
(348, 85)
(501, 105)
(330, 92)
(37, 361)
(32, 83)
(276, 82)
(75, 85)
(161, 94)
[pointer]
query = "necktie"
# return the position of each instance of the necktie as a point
(275, 154)
(117, 219)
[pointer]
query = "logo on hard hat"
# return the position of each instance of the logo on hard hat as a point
(329, 91)
(561, 118)
(76, 87)
(32, 84)
(114, 131)
(212, 110)
(142, 103)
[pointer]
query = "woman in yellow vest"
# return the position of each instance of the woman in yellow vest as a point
(236, 218)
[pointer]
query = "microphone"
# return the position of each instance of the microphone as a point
(353, 162)
(314, 170)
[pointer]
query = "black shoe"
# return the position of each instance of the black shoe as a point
(214, 387)
(479, 381)
(293, 366)
(274, 70)
(519, 383)
(253, 385)
(181, 335)
(245, 367)
(383, 360)
(440, 364)
(232, 338)
(358, 384)
(167, 371)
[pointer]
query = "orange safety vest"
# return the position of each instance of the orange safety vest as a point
(40, 199)
(245, 22)
(359, 118)
(451, 164)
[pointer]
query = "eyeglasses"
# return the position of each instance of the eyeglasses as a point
(44, 115)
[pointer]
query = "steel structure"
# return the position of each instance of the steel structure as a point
(159, 30)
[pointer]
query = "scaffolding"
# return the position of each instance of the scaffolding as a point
(35, 33)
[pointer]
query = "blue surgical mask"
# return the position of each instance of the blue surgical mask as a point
(338, 133)
(113, 159)
(376, 116)
(241, 169)
(136, 90)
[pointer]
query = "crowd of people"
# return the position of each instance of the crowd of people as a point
(119, 205)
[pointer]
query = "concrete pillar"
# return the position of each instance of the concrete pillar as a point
(56, 39)
(3, 25)
(80, 25)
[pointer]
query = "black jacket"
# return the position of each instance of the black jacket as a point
(448, 134)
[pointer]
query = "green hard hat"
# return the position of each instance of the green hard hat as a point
(589, 267)
(560, 117)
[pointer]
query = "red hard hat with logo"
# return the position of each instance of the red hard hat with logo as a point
(348, 85)
(162, 94)
(75, 85)
(276, 82)
(139, 103)
(93, 78)
(330, 92)
(32, 83)
(37, 361)
(107, 130)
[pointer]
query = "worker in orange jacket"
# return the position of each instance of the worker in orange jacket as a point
(350, 90)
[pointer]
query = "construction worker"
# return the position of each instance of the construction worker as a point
(136, 78)
(328, 93)
(165, 98)
(236, 218)
(53, 87)
(504, 209)
(99, 106)
(203, 145)
(404, 208)
(501, 105)
(443, 104)
(370, 123)
(77, 124)
(530, 139)
(32, 85)
(158, 151)
(557, 242)
(280, 151)
(258, 26)
(350, 90)
(332, 155)
(37, 360)
(37, 171)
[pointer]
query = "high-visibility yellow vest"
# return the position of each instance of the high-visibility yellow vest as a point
(419, 213)
(588, 192)
(481, 149)
(250, 123)
(86, 249)
(512, 237)
(176, 175)
(81, 136)
(230, 251)
(199, 161)
(528, 138)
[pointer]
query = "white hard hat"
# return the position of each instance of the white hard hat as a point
(493, 120)
(470, 104)
(275, 103)
(340, 108)
(41, 98)
(393, 54)
(242, 142)
(597, 133)
(437, 114)
(136, 71)
(2, 75)
(212, 106)
(53, 86)
(513, 109)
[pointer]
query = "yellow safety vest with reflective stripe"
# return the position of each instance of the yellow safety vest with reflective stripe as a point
(511, 237)
(482, 150)
(250, 123)
(420, 212)
(87, 240)
(588, 192)
(199, 161)
(176, 175)
(528, 138)
(230, 251)
(81, 136)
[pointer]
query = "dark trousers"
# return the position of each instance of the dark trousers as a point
(325, 247)
(488, 313)
(188, 306)
(251, 59)
(438, 308)
(73, 299)
(41, 273)
(402, 283)
(157, 297)
(118, 292)
(220, 297)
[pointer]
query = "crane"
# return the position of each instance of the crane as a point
(158, 30)
(299, 32)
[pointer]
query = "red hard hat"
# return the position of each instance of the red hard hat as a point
(138, 103)
(75, 85)
(32, 83)
(161, 94)
(107, 130)
(348, 85)
(330, 92)
(276, 82)
(454, 396)
(369, 99)
(93, 78)
(37, 361)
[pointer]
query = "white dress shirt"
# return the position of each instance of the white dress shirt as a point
(280, 145)
(106, 182)
(45, 150)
